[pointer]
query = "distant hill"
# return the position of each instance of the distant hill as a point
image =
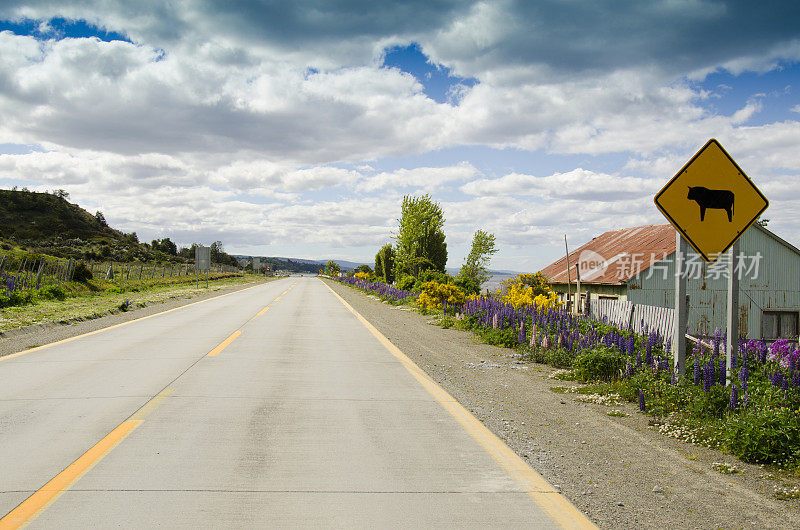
(33, 216)
(48, 223)
(290, 264)
(313, 265)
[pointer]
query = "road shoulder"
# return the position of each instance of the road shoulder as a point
(618, 470)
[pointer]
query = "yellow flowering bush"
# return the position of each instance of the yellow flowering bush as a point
(363, 276)
(433, 293)
(516, 292)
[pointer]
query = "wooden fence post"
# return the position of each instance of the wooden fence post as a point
(39, 274)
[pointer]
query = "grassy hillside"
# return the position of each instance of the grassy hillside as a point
(44, 223)
(27, 215)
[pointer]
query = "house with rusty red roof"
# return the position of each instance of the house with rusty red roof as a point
(637, 265)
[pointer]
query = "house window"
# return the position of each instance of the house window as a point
(608, 297)
(779, 325)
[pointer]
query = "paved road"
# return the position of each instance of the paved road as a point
(275, 406)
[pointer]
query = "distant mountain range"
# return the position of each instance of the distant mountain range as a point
(292, 264)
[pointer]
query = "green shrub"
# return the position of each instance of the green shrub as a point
(764, 435)
(406, 282)
(52, 292)
(506, 337)
(82, 273)
(16, 298)
(600, 364)
(468, 285)
(115, 289)
(431, 275)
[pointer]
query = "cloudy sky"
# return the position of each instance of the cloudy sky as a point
(295, 128)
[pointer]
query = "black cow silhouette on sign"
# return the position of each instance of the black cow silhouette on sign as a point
(713, 199)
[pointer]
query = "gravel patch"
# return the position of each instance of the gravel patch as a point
(601, 454)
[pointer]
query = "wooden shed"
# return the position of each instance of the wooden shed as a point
(637, 265)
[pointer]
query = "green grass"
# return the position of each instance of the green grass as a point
(97, 298)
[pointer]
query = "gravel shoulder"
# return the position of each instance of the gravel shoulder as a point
(619, 471)
(22, 338)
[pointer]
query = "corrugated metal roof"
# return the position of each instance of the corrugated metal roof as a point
(616, 256)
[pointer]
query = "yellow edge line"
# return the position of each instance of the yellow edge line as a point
(537, 488)
(95, 332)
(47, 494)
(262, 311)
(216, 351)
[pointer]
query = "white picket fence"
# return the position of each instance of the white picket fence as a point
(641, 318)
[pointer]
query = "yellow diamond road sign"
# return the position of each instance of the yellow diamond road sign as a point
(711, 201)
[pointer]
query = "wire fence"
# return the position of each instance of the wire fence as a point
(18, 273)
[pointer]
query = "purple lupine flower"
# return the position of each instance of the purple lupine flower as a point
(696, 370)
(744, 373)
(734, 404)
(521, 337)
(708, 376)
(631, 344)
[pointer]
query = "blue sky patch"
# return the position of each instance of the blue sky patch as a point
(437, 81)
(59, 28)
(777, 90)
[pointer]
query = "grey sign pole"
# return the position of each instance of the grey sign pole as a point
(202, 261)
(732, 341)
(681, 316)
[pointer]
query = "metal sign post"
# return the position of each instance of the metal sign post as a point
(732, 341)
(681, 311)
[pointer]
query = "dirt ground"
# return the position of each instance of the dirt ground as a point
(619, 471)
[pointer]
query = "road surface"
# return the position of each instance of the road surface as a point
(275, 406)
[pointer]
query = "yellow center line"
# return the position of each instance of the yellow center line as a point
(216, 351)
(31, 507)
(537, 488)
(151, 405)
(47, 494)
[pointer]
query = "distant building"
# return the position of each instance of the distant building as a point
(638, 265)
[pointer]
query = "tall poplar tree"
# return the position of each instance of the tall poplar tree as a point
(420, 239)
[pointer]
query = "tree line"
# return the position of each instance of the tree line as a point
(419, 251)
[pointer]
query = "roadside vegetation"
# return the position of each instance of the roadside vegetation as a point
(59, 263)
(76, 301)
(754, 416)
